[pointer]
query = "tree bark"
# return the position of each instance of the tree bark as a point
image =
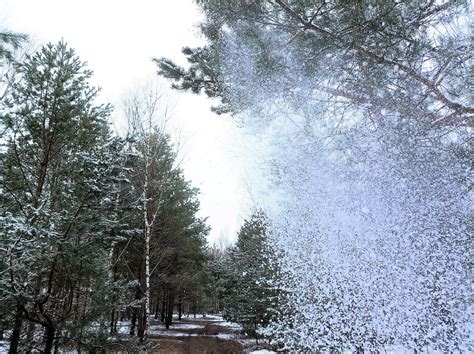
(141, 323)
(133, 322)
(157, 308)
(50, 332)
(163, 308)
(180, 307)
(15, 338)
(169, 314)
(146, 313)
(113, 323)
(256, 333)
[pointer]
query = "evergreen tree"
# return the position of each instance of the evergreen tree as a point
(364, 54)
(58, 176)
(9, 42)
(164, 250)
(250, 297)
(364, 107)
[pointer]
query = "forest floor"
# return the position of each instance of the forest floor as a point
(203, 335)
(200, 335)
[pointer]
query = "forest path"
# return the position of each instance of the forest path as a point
(200, 335)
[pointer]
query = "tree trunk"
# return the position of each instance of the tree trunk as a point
(146, 313)
(50, 332)
(141, 323)
(113, 323)
(169, 314)
(163, 308)
(15, 338)
(133, 322)
(180, 307)
(137, 297)
(112, 278)
(256, 334)
(56, 347)
(148, 224)
(157, 308)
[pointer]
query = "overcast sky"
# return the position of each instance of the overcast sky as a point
(118, 39)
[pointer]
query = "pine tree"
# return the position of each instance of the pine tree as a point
(364, 107)
(364, 54)
(57, 174)
(165, 245)
(251, 298)
(9, 42)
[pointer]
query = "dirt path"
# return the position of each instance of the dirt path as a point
(204, 335)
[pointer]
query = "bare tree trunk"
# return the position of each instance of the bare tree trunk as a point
(180, 306)
(113, 323)
(169, 314)
(15, 338)
(141, 323)
(133, 322)
(148, 223)
(113, 320)
(163, 307)
(50, 332)
(133, 325)
(147, 274)
(256, 334)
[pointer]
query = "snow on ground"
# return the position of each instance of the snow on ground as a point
(219, 321)
(123, 327)
(261, 351)
(154, 330)
(186, 326)
(4, 346)
(247, 341)
(227, 336)
(228, 324)
(200, 317)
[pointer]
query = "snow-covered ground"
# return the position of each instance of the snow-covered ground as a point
(228, 324)
(186, 326)
(163, 332)
(227, 336)
(199, 317)
(4, 346)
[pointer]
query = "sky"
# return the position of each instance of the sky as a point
(118, 39)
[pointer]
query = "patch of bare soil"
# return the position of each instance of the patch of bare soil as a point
(200, 336)
(199, 344)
